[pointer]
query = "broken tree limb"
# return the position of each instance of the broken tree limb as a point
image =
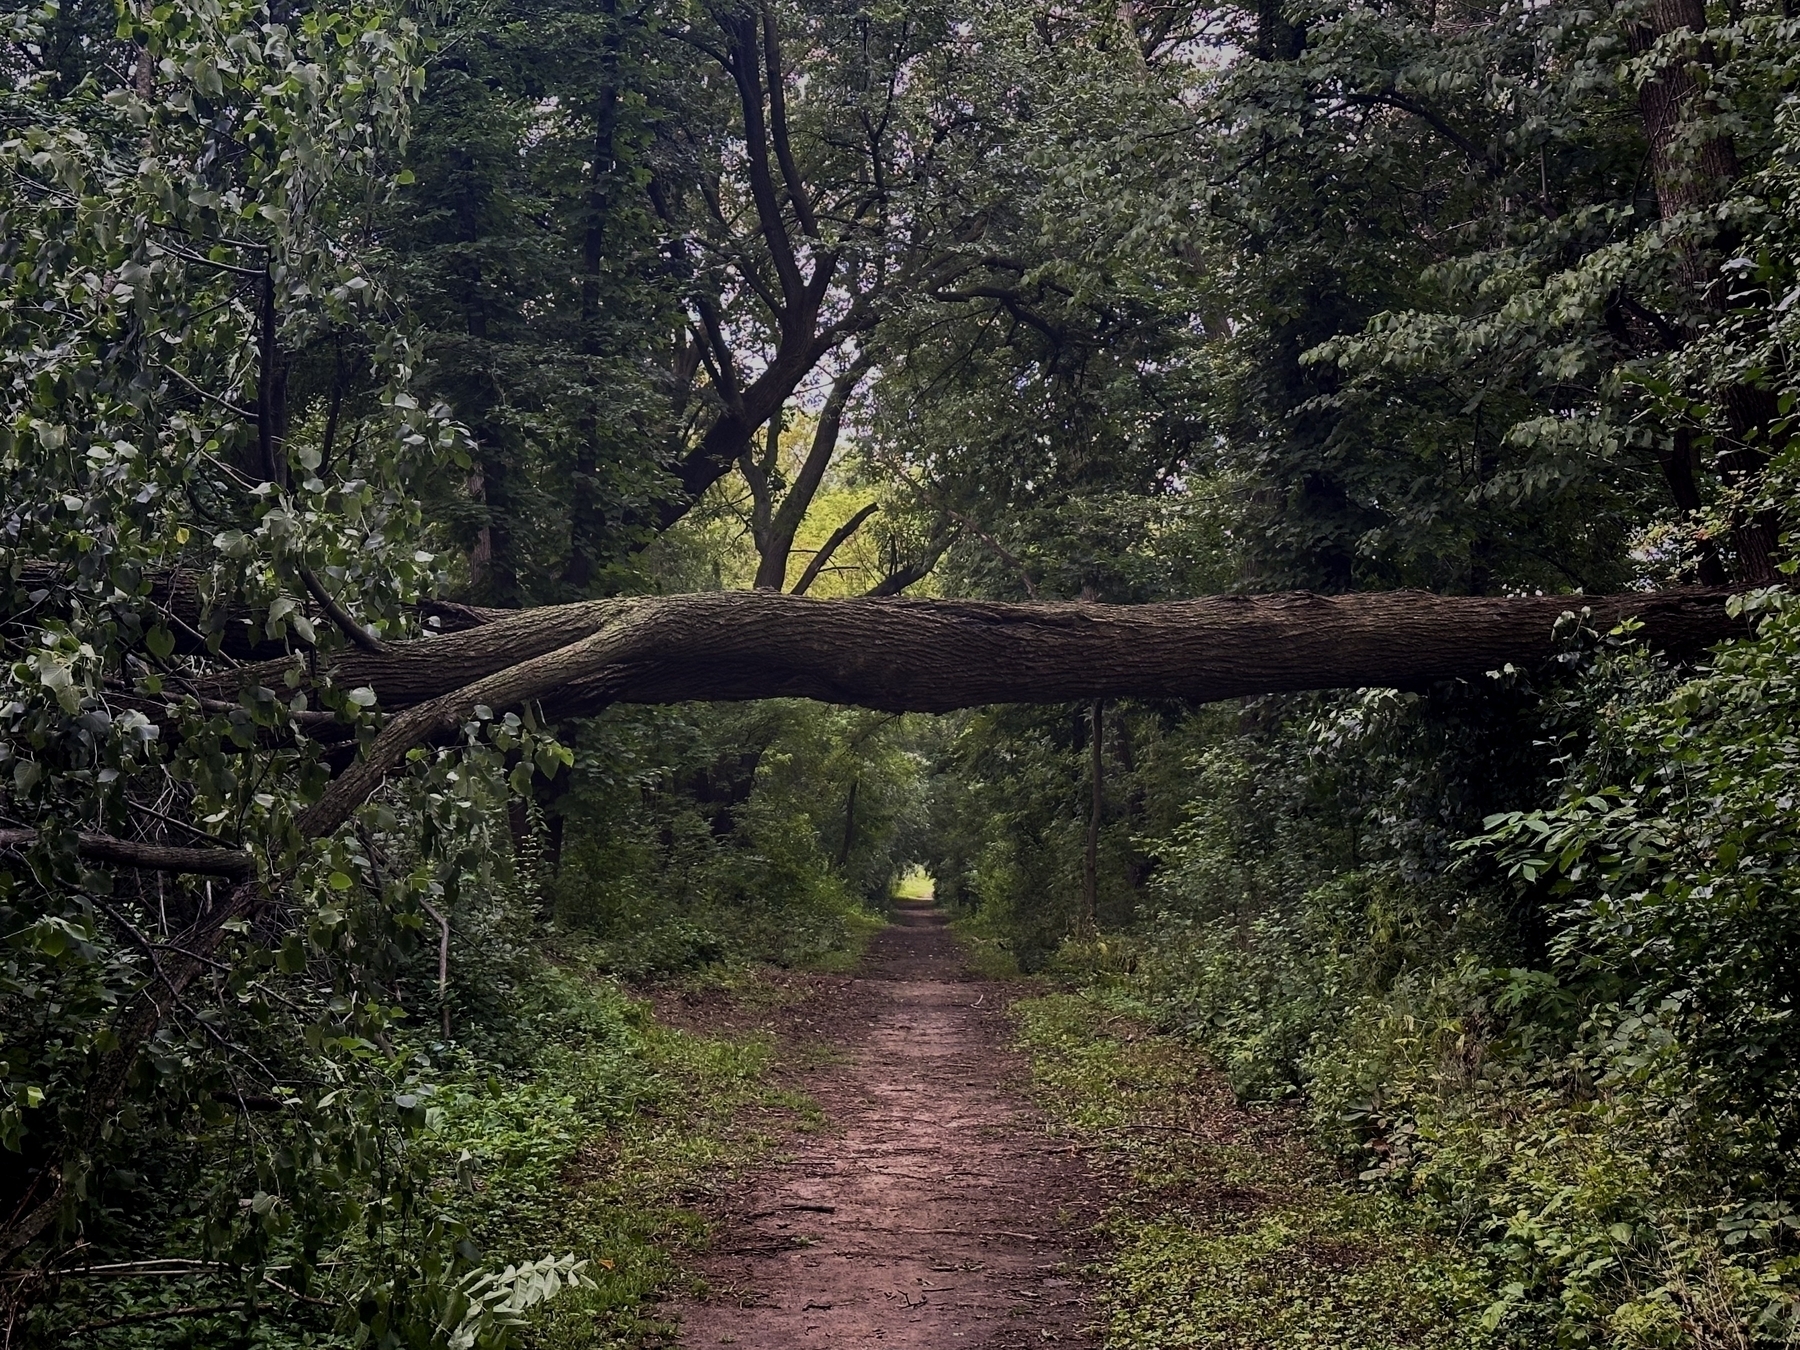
(940, 655)
(211, 862)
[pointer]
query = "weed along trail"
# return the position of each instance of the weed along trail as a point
(933, 1208)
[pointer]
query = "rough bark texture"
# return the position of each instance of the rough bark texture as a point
(905, 655)
(1697, 172)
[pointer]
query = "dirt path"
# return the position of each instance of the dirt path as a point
(935, 1209)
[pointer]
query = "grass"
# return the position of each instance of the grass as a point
(606, 1148)
(859, 926)
(1228, 1231)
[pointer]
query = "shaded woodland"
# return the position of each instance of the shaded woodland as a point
(1282, 510)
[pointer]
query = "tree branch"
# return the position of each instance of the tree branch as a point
(211, 862)
(778, 125)
(1005, 554)
(823, 556)
(744, 70)
(362, 637)
(772, 563)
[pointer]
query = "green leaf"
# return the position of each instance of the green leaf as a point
(291, 959)
(51, 938)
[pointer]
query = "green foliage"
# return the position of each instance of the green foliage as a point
(1668, 858)
(1573, 1063)
(534, 266)
(696, 836)
(307, 314)
(1224, 1237)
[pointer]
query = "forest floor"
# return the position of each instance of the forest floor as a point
(936, 1205)
(1003, 1163)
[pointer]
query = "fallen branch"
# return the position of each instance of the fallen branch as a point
(163, 1315)
(362, 637)
(211, 862)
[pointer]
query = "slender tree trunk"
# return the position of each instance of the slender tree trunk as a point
(586, 521)
(849, 840)
(779, 525)
(1090, 869)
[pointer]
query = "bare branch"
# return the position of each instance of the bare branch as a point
(212, 862)
(362, 637)
(831, 546)
(744, 68)
(778, 125)
(771, 569)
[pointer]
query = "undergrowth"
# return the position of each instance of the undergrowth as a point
(1228, 1232)
(577, 1125)
(601, 1148)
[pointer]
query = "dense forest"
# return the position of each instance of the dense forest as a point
(1278, 508)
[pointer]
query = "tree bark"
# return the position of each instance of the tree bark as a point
(903, 655)
(1670, 105)
(214, 862)
(1693, 171)
(830, 547)
(1090, 863)
(777, 542)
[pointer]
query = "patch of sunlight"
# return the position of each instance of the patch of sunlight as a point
(914, 884)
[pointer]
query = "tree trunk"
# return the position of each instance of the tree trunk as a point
(904, 655)
(1693, 172)
(1090, 863)
(587, 522)
(776, 543)
(849, 840)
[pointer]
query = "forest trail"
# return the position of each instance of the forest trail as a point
(934, 1208)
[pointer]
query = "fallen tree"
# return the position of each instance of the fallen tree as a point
(902, 655)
